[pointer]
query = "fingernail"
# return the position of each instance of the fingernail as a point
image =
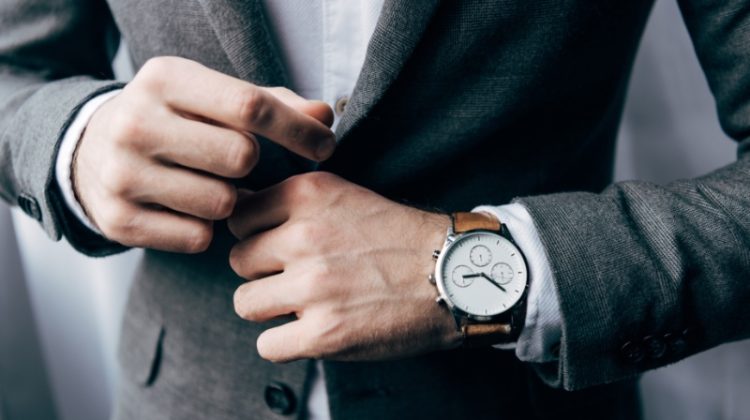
(326, 148)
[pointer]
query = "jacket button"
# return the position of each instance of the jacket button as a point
(675, 343)
(30, 206)
(655, 347)
(632, 352)
(279, 398)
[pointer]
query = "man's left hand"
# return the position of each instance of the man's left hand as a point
(349, 263)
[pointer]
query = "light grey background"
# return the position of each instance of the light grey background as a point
(59, 327)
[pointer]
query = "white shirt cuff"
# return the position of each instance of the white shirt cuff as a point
(540, 338)
(64, 161)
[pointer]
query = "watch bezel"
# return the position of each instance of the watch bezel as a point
(451, 240)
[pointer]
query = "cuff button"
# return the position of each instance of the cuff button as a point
(30, 206)
(655, 347)
(632, 352)
(675, 343)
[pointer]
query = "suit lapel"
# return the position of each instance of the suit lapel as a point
(242, 30)
(397, 33)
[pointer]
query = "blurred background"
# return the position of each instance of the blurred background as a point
(60, 312)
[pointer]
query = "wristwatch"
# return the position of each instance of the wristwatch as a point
(482, 277)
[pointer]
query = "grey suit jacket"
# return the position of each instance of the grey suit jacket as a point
(459, 103)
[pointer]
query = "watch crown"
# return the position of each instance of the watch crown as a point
(431, 278)
(436, 254)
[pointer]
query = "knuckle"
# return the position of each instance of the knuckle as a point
(126, 128)
(309, 185)
(320, 178)
(156, 68)
(265, 348)
(243, 155)
(304, 233)
(225, 200)
(236, 260)
(299, 187)
(308, 292)
(252, 107)
(117, 181)
(237, 301)
(280, 91)
(296, 132)
(118, 223)
(199, 239)
(240, 304)
(319, 277)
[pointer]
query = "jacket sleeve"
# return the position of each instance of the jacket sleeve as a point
(54, 56)
(647, 274)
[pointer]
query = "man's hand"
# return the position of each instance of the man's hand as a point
(153, 165)
(350, 264)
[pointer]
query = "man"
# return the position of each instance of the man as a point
(457, 104)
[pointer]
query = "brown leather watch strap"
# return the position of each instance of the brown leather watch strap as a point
(466, 221)
(504, 330)
(480, 335)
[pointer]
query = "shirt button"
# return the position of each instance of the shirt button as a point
(340, 106)
(279, 398)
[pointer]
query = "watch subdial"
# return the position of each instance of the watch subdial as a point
(480, 255)
(459, 276)
(502, 273)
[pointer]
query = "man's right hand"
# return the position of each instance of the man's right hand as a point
(152, 167)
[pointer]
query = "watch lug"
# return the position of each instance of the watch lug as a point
(439, 300)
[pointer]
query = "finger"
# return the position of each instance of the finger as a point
(197, 145)
(158, 229)
(259, 211)
(247, 107)
(287, 343)
(263, 254)
(314, 108)
(268, 298)
(185, 191)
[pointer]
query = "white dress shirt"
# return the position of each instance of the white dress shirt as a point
(323, 45)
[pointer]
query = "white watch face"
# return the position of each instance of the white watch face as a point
(482, 274)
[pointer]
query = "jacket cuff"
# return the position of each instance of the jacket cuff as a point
(42, 120)
(593, 266)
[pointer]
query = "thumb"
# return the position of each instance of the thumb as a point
(316, 109)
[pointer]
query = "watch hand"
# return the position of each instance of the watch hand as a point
(472, 275)
(494, 283)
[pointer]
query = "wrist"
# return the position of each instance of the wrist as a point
(64, 164)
